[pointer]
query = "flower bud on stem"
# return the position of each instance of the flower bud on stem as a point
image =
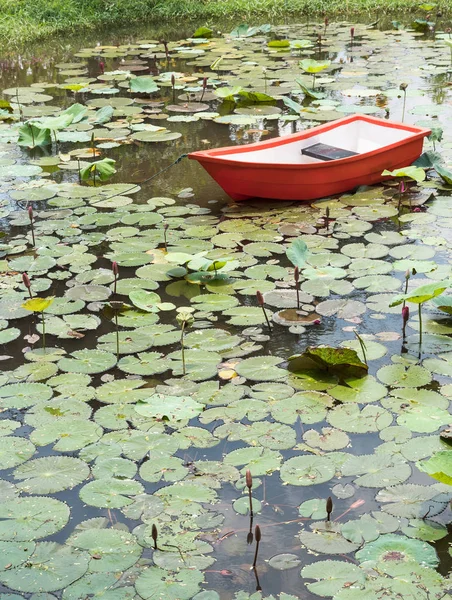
(258, 537)
(329, 507)
(27, 283)
(260, 300)
(30, 215)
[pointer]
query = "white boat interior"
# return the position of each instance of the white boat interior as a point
(357, 136)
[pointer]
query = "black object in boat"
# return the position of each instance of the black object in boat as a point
(326, 152)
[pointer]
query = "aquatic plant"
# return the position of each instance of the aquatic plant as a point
(185, 320)
(39, 305)
(420, 296)
(99, 170)
(261, 302)
(309, 65)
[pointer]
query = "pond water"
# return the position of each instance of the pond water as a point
(113, 441)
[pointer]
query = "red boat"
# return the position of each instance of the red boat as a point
(315, 163)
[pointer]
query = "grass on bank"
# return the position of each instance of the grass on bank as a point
(23, 21)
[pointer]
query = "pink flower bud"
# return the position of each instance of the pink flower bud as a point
(296, 274)
(173, 80)
(165, 226)
(407, 274)
(204, 83)
(417, 209)
(405, 314)
(402, 187)
(316, 322)
(352, 32)
(248, 479)
(115, 268)
(30, 213)
(260, 298)
(26, 280)
(102, 67)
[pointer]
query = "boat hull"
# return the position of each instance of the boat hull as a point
(245, 180)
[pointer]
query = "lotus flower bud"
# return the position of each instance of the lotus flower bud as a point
(154, 533)
(405, 314)
(326, 21)
(165, 226)
(417, 209)
(316, 322)
(102, 67)
(407, 274)
(26, 280)
(352, 32)
(403, 86)
(173, 80)
(249, 479)
(204, 83)
(402, 187)
(296, 274)
(260, 298)
(115, 268)
(257, 533)
(30, 213)
(329, 506)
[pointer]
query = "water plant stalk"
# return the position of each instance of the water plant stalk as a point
(117, 335)
(260, 299)
(79, 172)
(363, 346)
(296, 275)
(204, 87)
(30, 216)
(43, 332)
(327, 218)
(420, 323)
(173, 85)
(257, 537)
(249, 485)
(403, 87)
(183, 348)
(115, 269)
(165, 229)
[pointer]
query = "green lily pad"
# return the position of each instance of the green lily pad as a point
(32, 518)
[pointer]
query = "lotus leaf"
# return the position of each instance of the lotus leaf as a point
(51, 474)
(439, 466)
(32, 518)
(88, 361)
(113, 550)
(173, 585)
(392, 547)
(110, 493)
(332, 576)
(14, 451)
(327, 540)
(307, 470)
(343, 361)
(169, 408)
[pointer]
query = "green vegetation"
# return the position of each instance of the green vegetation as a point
(26, 20)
